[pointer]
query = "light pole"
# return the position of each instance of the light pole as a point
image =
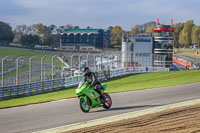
(134, 59)
(95, 61)
(80, 63)
(2, 82)
(52, 62)
(17, 69)
(87, 60)
(42, 66)
(101, 62)
(62, 66)
(71, 65)
(106, 62)
(30, 68)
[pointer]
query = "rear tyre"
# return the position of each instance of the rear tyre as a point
(107, 104)
(85, 105)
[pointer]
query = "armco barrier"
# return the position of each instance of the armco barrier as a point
(30, 89)
(182, 62)
(52, 85)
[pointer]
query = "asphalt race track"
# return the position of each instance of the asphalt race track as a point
(63, 112)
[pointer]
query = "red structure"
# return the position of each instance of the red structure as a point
(163, 42)
(182, 62)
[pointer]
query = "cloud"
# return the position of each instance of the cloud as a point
(97, 13)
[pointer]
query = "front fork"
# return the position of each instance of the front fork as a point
(84, 98)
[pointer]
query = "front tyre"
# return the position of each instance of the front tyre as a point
(107, 104)
(84, 104)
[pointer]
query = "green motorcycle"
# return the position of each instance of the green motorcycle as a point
(89, 98)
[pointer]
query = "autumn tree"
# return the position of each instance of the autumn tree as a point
(149, 29)
(110, 28)
(135, 29)
(40, 29)
(116, 36)
(178, 28)
(188, 32)
(196, 35)
(48, 34)
(181, 39)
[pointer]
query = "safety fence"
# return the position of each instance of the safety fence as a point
(102, 75)
(52, 85)
(17, 70)
(30, 89)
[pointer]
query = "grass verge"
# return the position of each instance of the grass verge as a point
(189, 54)
(126, 83)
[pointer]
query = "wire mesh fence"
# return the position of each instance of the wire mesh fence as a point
(23, 70)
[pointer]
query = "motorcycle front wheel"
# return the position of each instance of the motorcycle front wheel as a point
(84, 105)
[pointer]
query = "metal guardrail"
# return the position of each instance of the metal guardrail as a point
(30, 89)
(72, 81)
(52, 85)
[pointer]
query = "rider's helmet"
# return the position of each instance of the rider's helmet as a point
(86, 70)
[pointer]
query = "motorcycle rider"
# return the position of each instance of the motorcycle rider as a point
(92, 80)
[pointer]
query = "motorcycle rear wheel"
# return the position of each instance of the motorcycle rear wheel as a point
(107, 104)
(85, 106)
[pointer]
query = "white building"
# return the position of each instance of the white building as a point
(137, 50)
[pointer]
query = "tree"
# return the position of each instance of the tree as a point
(53, 29)
(24, 29)
(116, 36)
(21, 30)
(88, 27)
(110, 28)
(187, 32)
(6, 34)
(46, 34)
(40, 29)
(29, 40)
(178, 28)
(56, 40)
(149, 29)
(17, 37)
(135, 29)
(69, 26)
(76, 27)
(181, 39)
(196, 35)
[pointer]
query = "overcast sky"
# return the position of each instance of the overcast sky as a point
(98, 13)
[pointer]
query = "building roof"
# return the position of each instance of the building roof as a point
(81, 30)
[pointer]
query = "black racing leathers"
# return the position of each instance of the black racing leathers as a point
(92, 80)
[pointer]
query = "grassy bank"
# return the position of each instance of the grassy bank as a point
(189, 54)
(26, 54)
(128, 83)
